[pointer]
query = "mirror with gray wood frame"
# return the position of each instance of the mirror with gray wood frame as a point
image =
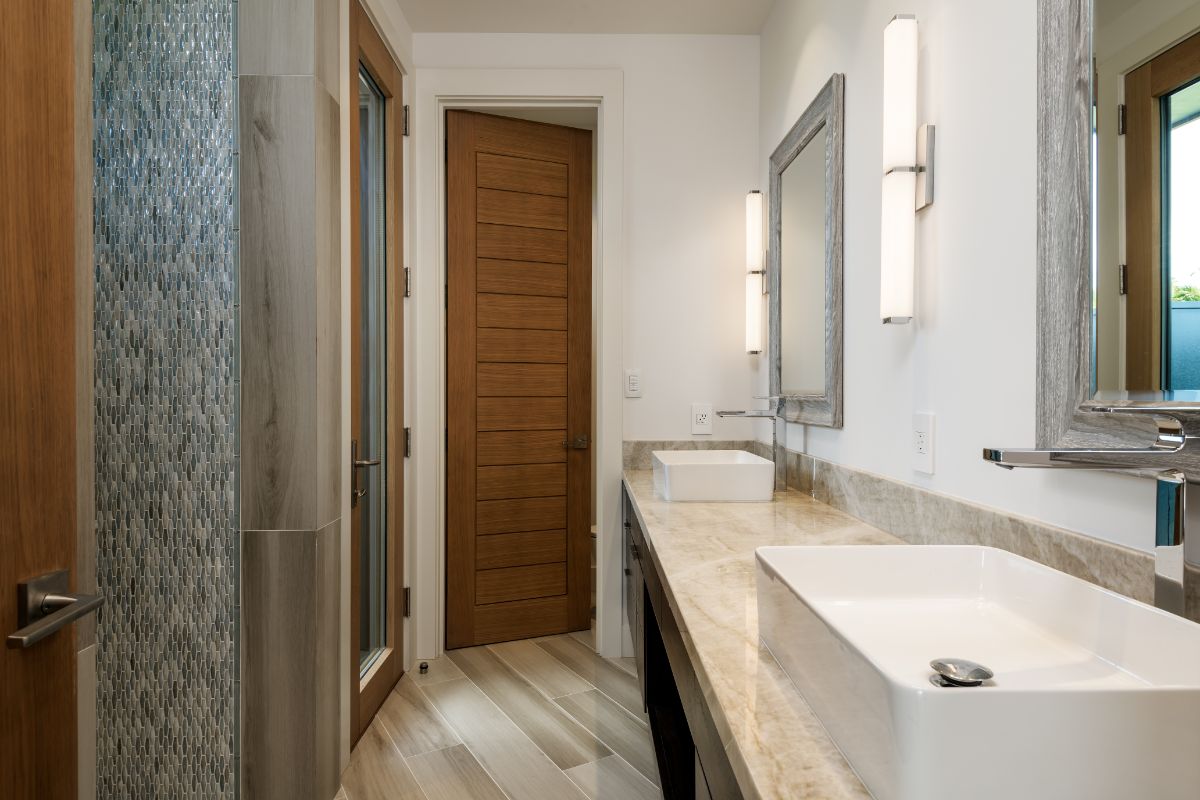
(1118, 195)
(804, 263)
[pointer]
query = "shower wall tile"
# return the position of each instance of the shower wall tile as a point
(290, 663)
(166, 339)
(327, 228)
(279, 303)
(291, 37)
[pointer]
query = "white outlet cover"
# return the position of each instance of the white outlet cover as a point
(923, 442)
(702, 419)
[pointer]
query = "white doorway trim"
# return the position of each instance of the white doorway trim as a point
(436, 91)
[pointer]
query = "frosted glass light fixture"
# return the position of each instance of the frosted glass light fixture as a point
(754, 271)
(907, 170)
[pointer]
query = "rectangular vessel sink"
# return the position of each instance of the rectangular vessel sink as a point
(713, 476)
(1095, 696)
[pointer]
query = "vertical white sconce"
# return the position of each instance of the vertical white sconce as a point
(907, 177)
(754, 271)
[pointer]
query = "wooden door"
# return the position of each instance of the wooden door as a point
(1146, 290)
(518, 403)
(377, 372)
(37, 386)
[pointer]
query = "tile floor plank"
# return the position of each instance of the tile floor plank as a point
(377, 770)
(543, 670)
(608, 678)
(611, 724)
(521, 770)
(412, 722)
(453, 774)
(440, 669)
(611, 778)
(558, 735)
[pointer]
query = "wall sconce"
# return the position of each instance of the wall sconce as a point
(907, 170)
(755, 284)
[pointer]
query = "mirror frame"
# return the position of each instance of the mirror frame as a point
(1064, 258)
(825, 113)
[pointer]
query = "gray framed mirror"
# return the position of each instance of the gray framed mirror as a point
(1115, 277)
(804, 263)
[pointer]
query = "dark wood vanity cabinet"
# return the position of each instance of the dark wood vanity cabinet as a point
(691, 759)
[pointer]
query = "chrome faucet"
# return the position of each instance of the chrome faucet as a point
(1170, 571)
(775, 414)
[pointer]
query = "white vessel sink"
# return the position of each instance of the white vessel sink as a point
(713, 476)
(1095, 696)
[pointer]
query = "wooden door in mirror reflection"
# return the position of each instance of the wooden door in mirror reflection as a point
(1160, 119)
(518, 379)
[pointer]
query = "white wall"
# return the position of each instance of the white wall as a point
(969, 356)
(691, 148)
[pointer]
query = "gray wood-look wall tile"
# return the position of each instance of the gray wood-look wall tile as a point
(453, 774)
(514, 762)
(556, 733)
(289, 37)
(277, 37)
(290, 682)
(327, 227)
(279, 290)
(85, 700)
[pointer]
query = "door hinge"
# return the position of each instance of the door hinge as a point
(1121, 117)
(404, 120)
(1122, 279)
(407, 601)
(408, 442)
(407, 282)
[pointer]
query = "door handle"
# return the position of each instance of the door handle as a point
(355, 465)
(45, 605)
(578, 443)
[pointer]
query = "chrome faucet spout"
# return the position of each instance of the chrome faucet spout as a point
(1170, 490)
(776, 422)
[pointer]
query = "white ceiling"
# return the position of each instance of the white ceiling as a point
(586, 16)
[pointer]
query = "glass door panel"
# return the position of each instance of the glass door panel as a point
(371, 435)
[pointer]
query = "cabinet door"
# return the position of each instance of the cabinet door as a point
(635, 594)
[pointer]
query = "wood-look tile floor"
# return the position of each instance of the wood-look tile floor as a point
(539, 719)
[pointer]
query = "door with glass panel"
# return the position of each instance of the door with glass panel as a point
(376, 419)
(1162, 204)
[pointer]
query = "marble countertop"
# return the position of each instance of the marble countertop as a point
(705, 554)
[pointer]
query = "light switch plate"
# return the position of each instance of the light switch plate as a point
(633, 383)
(922, 442)
(702, 415)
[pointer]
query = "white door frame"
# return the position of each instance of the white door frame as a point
(436, 91)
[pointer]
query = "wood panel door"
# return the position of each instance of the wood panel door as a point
(37, 387)
(1148, 292)
(519, 413)
(377, 607)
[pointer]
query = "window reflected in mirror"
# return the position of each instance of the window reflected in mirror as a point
(1146, 194)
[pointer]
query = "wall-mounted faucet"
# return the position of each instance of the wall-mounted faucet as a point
(778, 433)
(1171, 486)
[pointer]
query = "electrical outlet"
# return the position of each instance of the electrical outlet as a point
(922, 432)
(633, 383)
(702, 415)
